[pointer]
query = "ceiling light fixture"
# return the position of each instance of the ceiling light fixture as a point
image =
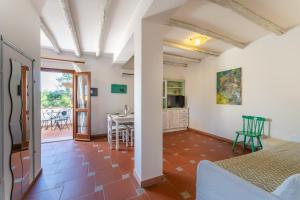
(197, 42)
(196, 39)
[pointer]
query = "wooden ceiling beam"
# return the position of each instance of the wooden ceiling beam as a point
(204, 31)
(250, 15)
(165, 61)
(175, 64)
(71, 26)
(50, 36)
(181, 58)
(178, 45)
(103, 14)
(63, 60)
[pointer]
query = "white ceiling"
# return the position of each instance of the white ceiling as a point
(53, 16)
(284, 13)
(203, 13)
(45, 41)
(119, 14)
(86, 17)
(208, 15)
(224, 21)
(39, 4)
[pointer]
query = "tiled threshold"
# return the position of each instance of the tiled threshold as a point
(56, 134)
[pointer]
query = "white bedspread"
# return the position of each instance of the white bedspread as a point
(215, 183)
(289, 189)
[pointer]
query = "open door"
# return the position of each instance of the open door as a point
(82, 106)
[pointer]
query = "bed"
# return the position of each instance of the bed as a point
(248, 177)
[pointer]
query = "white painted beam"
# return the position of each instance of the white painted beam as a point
(102, 23)
(204, 31)
(180, 57)
(180, 61)
(250, 15)
(175, 64)
(178, 45)
(68, 17)
(50, 36)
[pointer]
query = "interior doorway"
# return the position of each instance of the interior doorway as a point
(57, 91)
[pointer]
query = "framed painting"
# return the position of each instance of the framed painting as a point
(229, 87)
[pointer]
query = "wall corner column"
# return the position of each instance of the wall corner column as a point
(148, 70)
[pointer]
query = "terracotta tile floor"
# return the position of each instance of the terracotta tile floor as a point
(90, 171)
(20, 163)
(51, 134)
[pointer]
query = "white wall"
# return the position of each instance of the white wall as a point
(175, 72)
(270, 79)
(20, 25)
(103, 74)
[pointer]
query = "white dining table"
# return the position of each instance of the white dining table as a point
(121, 119)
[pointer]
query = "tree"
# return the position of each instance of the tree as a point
(61, 97)
(58, 98)
(63, 80)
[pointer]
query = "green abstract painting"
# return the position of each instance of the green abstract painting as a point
(229, 87)
(118, 88)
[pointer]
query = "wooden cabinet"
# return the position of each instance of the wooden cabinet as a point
(175, 119)
(183, 118)
(165, 120)
(172, 87)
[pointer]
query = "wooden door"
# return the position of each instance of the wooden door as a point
(82, 106)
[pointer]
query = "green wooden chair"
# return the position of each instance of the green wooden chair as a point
(253, 128)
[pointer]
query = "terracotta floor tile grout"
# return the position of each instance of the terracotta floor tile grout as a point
(122, 160)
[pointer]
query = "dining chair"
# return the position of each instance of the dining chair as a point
(62, 119)
(131, 133)
(252, 128)
(69, 115)
(53, 115)
(45, 119)
(111, 132)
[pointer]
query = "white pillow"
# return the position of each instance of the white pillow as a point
(289, 189)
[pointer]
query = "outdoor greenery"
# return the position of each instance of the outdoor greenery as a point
(62, 97)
